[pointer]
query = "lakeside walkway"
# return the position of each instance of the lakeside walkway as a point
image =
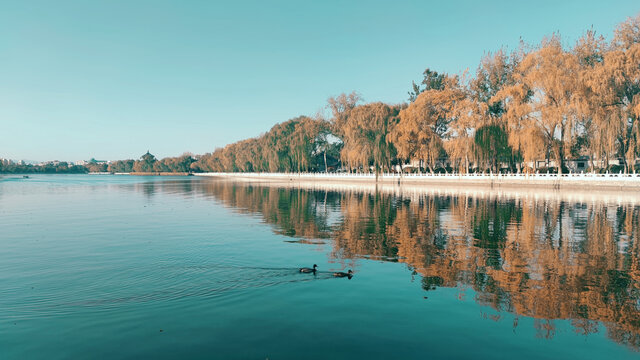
(582, 181)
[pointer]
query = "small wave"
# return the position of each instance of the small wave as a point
(212, 281)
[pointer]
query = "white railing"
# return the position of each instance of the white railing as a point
(635, 178)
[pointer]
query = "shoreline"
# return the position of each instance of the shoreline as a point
(582, 182)
(417, 190)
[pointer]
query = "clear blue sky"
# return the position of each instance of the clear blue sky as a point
(111, 79)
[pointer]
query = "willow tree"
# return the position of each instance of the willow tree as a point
(214, 162)
(276, 147)
(466, 113)
(208, 162)
(228, 157)
(492, 145)
(340, 107)
(248, 155)
(614, 86)
(302, 142)
(610, 100)
(365, 136)
(418, 133)
(599, 138)
(543, 98)
(180, 163)
(494, 73)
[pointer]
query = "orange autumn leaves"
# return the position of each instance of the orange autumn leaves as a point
(550, 101)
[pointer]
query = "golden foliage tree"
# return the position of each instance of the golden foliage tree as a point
(421, 126)
(551, 102)
(543, 98)
(365, 136)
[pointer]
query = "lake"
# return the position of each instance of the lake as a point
(187, 267)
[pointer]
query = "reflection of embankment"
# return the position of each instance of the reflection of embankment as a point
(408, 190)
(541, 258)
(567, 182)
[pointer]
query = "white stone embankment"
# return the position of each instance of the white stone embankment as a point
(584, 182)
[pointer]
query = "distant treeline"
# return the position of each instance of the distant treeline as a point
(57, 168)
(147, 164)
(543, 102)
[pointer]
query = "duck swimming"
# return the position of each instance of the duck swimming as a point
(348, 274)
(309, 270)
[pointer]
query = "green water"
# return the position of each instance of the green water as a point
(186, 267)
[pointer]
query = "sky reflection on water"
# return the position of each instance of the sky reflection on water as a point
(88, 261)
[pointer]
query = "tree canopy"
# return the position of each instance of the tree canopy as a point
(539, 103)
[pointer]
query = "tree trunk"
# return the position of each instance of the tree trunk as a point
(466, 164)
(325, 162)
(559, 157)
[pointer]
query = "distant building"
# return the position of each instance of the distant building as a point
(6, 162)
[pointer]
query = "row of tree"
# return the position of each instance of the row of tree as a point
(544, 102)
(149, 164)
(50, 168)
(300, 144)
(146, 164)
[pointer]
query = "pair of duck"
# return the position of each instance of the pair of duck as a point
(348, 274)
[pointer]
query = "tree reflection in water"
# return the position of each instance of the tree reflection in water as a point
(544, 259)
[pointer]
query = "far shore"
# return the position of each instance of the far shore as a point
(154, 173)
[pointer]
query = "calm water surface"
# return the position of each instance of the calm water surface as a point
(162, 267)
